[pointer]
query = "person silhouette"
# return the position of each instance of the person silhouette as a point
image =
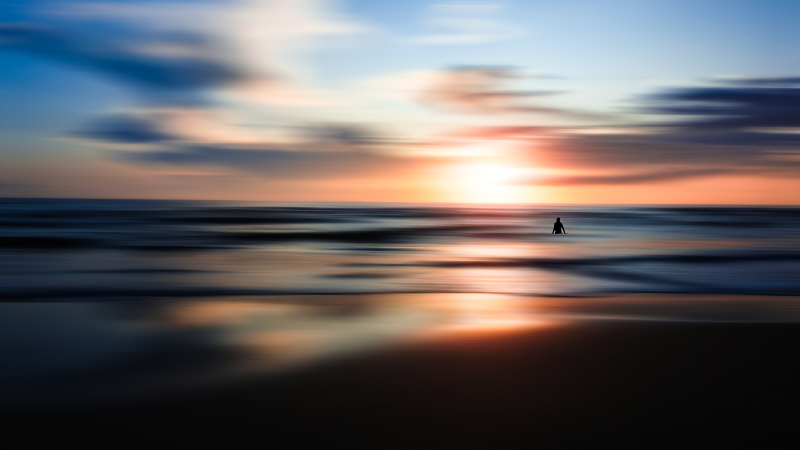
(558, 227)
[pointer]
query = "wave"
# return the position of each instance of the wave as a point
(114, 249)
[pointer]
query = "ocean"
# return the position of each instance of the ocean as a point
(130, 249)
(139, 298)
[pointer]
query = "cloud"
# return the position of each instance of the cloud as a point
(760, 81)
(186, 62)
(126, 128)
(161, 125)
(261, 36)
(739, 126)
(560, 157)
(187, 53)
(341, 137)
(632, 152)
(156, 14)
(738, 111)
(734, 138)
(474, 89)
(465, 24)
(479, 90)
(165, 79)
(273, 36)
(284, 164)
(629, 177)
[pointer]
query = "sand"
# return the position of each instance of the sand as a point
(581, 385)
(570, 385)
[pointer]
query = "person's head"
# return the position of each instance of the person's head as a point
(558, 219)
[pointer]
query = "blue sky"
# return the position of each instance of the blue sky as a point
(273, 67)
(608, 51)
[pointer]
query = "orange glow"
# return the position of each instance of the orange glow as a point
(489, 311)
(735, 190)
(493, 174)
(479, 183)
(80, 176)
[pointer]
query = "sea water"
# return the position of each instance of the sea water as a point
(62, 249)
(143, 296)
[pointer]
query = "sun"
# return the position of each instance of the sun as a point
(490, 173)
(487, 171)
(491, 183)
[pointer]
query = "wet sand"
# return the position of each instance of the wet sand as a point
(581, 385)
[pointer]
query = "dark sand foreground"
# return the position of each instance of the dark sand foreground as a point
(643, 385)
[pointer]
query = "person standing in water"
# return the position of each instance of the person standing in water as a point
(558, 227)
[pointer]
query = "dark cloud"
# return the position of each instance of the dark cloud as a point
(633, 153)
(734, 138)
(177, 73)
(762, 81)
(737, 126)
(175, 69)
(282, 163)
(742, 111)
(341, 137)
(629, 178)
(663, 157)
(126, 128)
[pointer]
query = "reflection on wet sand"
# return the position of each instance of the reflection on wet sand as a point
(281, 331)
(583, 384)
(62, 354)
(116, 349)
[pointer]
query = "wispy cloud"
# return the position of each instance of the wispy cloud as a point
(163, 79)
(735, 111)
(168, 125)
(191, 65)
(127, 128)
(277, 163)
(481, 90)
(180, 53)
(647, 176)
(466, 24)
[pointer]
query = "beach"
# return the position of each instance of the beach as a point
(324, 224)
(163, 324)
(600, 384)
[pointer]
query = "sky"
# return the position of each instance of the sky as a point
(537, 101)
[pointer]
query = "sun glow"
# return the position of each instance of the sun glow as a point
(488, 171)
(488, 183)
